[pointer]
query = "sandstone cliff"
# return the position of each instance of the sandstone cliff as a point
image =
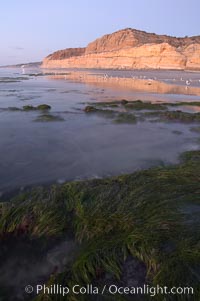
(131, 49)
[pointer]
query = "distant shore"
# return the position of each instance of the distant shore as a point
(26, 65)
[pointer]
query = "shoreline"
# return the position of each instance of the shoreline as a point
(119, 69)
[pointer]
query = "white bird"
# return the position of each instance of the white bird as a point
(149, 81)
(187, 82)
(23, 70)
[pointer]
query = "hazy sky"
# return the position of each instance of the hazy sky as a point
(32, 29)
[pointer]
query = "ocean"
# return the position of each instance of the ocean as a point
(75, 145)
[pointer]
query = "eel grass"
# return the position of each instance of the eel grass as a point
(158, 111)
(178, 116)
(134, 105)
(141, 215)
(141, 105)
(42, 107)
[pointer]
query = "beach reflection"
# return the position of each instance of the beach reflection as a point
(139, 85)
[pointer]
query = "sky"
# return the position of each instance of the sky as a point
(32, 29)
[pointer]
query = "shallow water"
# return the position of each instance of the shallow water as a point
(81, 146)
(33, 263)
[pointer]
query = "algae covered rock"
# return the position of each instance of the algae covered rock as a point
(48, 118)
(124, 101)
(44, 107)
(29, 108)
(126, 118)
(89, 109)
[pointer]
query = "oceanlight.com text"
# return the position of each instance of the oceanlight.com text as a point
(112, 289)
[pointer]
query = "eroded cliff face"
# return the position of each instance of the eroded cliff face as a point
(66, 53)
(131, 49)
